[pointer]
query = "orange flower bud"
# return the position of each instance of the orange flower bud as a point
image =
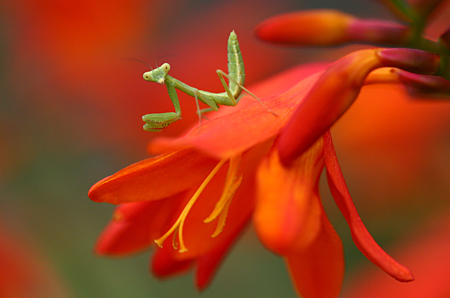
(314, 27)
(330, 27)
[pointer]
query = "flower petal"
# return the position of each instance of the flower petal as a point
(164, 265)
(196, 233)
(361, 236)
(154, 178)
(135, 226)
(274, 85)
(318, 271)
(283, 81)
(287, 215)
(208, 264)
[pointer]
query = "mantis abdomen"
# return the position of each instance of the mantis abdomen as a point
(236, 69)
(236, 75)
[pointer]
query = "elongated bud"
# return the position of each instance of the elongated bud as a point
(412, 60)
(378, 32)
(337, 89)
(330, 27)
(424, 84)
(314, 27)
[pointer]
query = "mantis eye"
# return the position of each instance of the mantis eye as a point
(147, 76)
(166, 67)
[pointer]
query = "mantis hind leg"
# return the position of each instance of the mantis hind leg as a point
(199, 112)
(234, 101)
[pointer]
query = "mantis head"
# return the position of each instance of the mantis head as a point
(157, 75)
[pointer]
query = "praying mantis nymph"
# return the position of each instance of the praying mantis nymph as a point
(236, 78)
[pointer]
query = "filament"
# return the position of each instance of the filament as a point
(177, 227)
(232, 183)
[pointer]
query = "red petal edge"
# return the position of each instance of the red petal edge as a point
(163, 265)
(319, 271)
(209, 263)
(362, 238)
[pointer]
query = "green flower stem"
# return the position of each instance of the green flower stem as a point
(407, 10)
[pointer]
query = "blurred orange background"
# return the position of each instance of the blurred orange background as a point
(71, 101)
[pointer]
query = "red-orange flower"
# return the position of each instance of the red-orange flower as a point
(264, 161)
(205, 186)
(25, 273)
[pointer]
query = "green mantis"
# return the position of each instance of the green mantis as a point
(236, 77)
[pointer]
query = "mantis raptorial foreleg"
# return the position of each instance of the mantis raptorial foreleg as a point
(157, 122)
(236, 79)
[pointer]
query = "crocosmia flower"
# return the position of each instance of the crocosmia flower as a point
(195, 198)
(262, 163)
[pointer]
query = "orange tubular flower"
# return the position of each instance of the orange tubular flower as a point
(195, 198)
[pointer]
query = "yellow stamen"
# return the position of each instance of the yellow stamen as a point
(232, 183)
(222, 219)
(178, 225)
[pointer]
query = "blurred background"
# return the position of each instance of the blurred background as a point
(71, 101)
